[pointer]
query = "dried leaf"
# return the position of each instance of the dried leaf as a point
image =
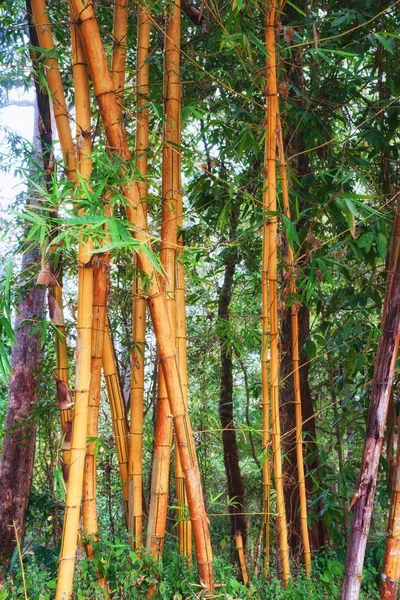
(46, 277)
(56, 316)
(288, 34)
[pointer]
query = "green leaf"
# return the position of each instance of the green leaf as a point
(385, 43)
(291, 232)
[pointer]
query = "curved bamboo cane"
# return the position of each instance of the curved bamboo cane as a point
(118, 413)
(272, 97)
(139, 298)
(45, 41)
(169, 235)
(116, 142)
(296, 360)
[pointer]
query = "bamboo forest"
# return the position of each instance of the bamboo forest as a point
(199, 299)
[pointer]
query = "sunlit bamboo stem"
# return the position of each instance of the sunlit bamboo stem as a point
(296, 361)
(118, 413)
(272, 98)
(139, 298)
(169, 237)
(242, 560)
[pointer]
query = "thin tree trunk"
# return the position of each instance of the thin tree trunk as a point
(272, 99)
(116, 141)
(384, 368)
(139, 298)
(225, 405)
(18, 452)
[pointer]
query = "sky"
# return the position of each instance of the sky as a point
(17, 116)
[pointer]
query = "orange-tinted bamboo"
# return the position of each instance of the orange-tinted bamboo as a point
(296, 362)
(272, 99)
(184, 524)
(120, 33)
(169, 237)
(116, 142)
(118, 413)
(139, 298)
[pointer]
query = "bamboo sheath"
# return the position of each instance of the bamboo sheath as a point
(296, 361)
(169, 236)
(135, 474)
(116, 142)
(118, 413)
(272, 98)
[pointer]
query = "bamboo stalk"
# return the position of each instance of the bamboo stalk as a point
(135, 467)
(118, 413)
(295, 358)
(184, 524)
(169, 235)
(266, 406)
(272, 97)
(84, 335)
(120, 33)
(116, 142)
(242, 560)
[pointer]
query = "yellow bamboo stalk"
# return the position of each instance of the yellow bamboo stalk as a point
(84, 335)
(169, 236)
(116, 141)
(135, 476)
(242, 560)
(266, 406)
(118, 414)
(296, 360)
(272, 97)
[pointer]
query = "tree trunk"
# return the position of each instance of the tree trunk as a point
(384, 368)
(225, 405)
(16, 466)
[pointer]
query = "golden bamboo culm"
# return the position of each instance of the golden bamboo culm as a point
(139, 302)
(169, 237)
(295, 357)
(272, 99)
(116, 142)
(118, 413)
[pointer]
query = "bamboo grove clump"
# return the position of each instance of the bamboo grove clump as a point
(132, 236)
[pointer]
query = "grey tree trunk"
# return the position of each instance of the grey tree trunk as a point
(385, 362)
